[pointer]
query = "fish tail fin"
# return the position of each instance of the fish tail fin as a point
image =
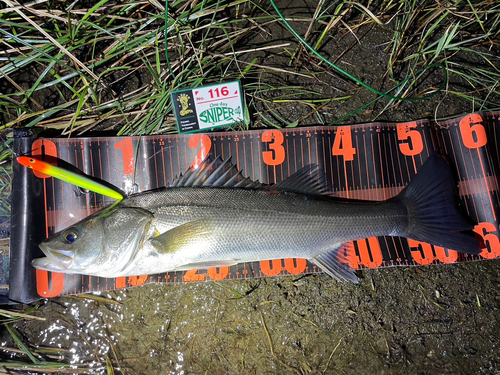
(432, 210)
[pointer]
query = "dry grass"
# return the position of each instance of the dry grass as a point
(74, 67)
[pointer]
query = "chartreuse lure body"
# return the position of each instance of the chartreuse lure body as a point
(68, 176)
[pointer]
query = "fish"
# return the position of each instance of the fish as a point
(213, 216)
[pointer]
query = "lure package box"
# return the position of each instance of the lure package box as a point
(372, 161)
(211, 106)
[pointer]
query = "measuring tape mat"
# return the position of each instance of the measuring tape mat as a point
(367, 162)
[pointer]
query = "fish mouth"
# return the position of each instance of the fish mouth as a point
(55, 260)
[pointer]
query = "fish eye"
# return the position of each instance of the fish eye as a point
(71, 235)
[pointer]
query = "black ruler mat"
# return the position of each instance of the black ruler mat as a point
(368, 161)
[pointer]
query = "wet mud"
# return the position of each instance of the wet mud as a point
(425, 320)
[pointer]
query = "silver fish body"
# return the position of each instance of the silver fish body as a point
(215, 218)
(229, 226)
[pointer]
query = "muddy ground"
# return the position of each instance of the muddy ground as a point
(429, 320)
(415, 320)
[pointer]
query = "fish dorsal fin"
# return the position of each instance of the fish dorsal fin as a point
(216, 173)
(309, 180)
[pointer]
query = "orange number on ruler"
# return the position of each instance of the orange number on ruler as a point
(205, 144)
(120, 282)
(348, 256)
(278, 156)
(445, 255)
(137, 280)
(193, 275)
(342, 145)
(472, 131)
(421, 252)
(415, 146)
(265, 267)
(43, 287)
(127, 155)
(218, 273)
(370, 254)
(43, 147)
(295, 266)
(492, 249)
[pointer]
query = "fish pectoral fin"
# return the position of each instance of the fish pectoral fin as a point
(210, 264)
(189, 235)
(335, 263)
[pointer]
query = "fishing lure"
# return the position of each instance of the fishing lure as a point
(68, 176)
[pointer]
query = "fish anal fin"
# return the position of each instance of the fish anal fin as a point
(335, 262)
(193, 234)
